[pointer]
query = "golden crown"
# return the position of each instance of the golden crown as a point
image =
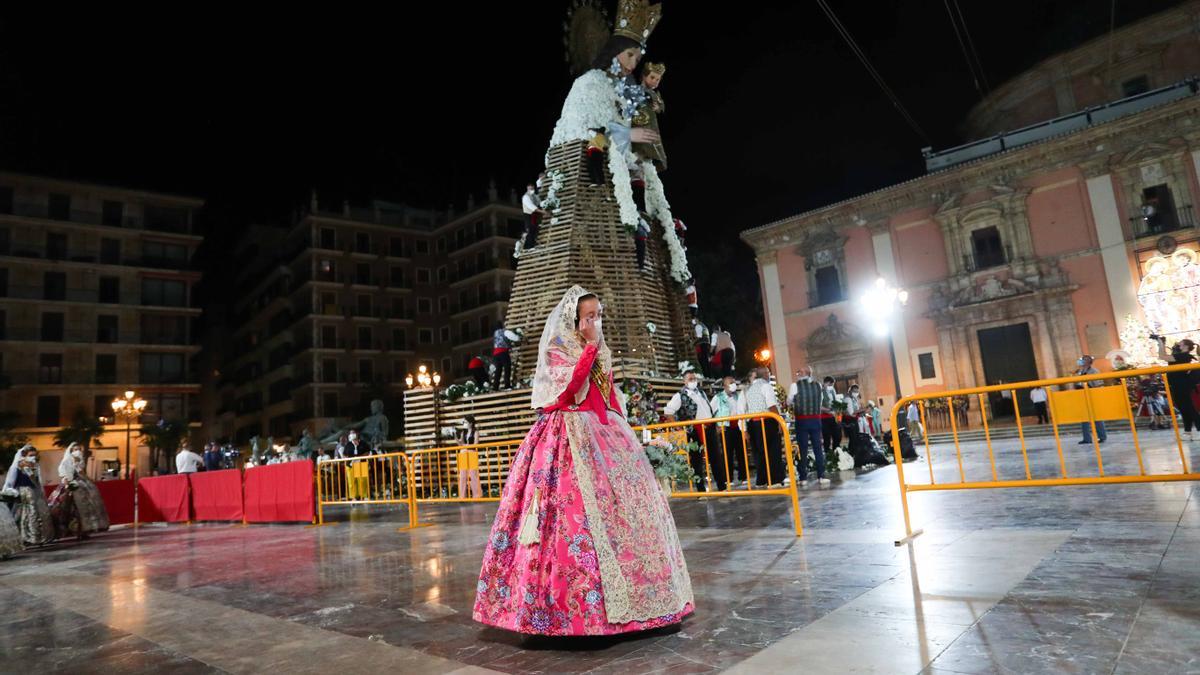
(636, 19)
(656, 68)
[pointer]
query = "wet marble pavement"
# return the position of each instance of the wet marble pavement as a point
(1074, 579)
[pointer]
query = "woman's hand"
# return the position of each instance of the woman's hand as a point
(643, 135)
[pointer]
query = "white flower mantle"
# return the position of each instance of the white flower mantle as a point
(593, 103)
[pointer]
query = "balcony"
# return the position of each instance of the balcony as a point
(89, 377)
(977, 262)
(817, 298)
(1182, 218)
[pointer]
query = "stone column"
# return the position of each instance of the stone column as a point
(1113, 252)
(776, 326)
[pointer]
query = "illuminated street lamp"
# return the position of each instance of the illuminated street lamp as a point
(427, 380)
(881, 304)
(763, 356)
(130, 407)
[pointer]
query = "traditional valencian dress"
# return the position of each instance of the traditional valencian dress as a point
(31, 513)
(76, 503)
(583, 542)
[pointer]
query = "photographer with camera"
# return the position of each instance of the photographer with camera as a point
(1181, 384)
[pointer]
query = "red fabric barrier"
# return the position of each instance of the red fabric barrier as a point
(280, 493)
(163, 498)
(216, 495)
(118, 499)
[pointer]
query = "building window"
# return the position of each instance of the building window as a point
(164, 293)
(485, 326)
(424, 306)
(987, 247)
(106, 329)
(397, 277)
(329, 371)
(110, 251)
(399, 339)
(56, 246)
(444, 334)
(441, 245)
(59, 207)
(102, 406)
(364, 305)
(3, 282)
(399, 370)
(329, 337)
(170, 256)
(425, 336)
(464, 331)
(164, 330)
(6, 199)
(447, 366)
(328, 238)
(327, 270)
(48, 412)
(5, 241)
(329, 404)
(396, 247)
(1158, 211)
(162, 369)
(422, 247)
(366, 370)
(362, 242)
(110, 290)
(106, 369)
(112, 213)
(3, 329)
(925, 366)
(399, 311)
(829, 286)
(50, 368)
(362, 274)
(54, 286)
(443, 304)
(365, 337)
(1135, 85)
(423, 275)
(52, 327)
(442, 274)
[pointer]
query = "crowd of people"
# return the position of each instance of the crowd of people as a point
(822, 416)
(29, 518)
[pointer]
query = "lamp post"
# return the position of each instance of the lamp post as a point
(130, 407)
(881, 304)
(428, 380)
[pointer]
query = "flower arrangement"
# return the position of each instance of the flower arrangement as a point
(656, 204)
(640, 406)
(669, 462)
(466, 390)
(551, 202)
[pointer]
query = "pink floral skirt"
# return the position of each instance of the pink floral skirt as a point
(601, 555)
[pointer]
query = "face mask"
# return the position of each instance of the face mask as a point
(1079, 362)
(692, 385)
(597, 324)
(732, 388)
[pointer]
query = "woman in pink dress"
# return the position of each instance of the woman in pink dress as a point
(584, 542)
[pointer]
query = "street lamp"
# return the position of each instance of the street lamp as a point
(130, 407)
(881, 304)
(427, 380)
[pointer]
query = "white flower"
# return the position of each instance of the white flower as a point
(624, 23)
(622, 188)
(651, 327)
(656, 204)
(590, 105)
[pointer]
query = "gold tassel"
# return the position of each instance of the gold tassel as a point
(529, 533)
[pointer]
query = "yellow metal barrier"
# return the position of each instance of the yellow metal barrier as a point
(1088, 402)
(477, 473)
(371, 479)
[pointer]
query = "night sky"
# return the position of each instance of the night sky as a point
(769, 113)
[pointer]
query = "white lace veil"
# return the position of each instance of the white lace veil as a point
(10, 479)
(559, 350)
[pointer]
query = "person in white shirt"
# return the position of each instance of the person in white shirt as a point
(1039, 397)
(688, 404)
(533, 216)
(912, 420)
(768, 457)
(729, 401)
(187, 461)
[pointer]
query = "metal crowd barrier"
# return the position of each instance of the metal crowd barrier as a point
(477, 472)
(1092, 403)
